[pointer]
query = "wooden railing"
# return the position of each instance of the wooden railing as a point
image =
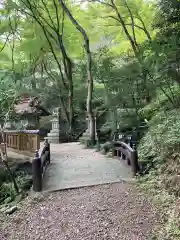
(39, 165)
(127, 153)
(27, 141)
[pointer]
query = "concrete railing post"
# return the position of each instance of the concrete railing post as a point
(36, 172)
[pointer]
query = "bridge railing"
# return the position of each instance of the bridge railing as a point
(127, 153)
(39, 166)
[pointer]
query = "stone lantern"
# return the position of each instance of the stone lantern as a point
(54, 134)
(59, 128)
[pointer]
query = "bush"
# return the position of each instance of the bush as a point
(45, 125)
(162, 138)
(161, 103)
(7, 191)
(160, 149)
(106, 147)
(3, 175)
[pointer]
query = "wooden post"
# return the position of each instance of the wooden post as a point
(134, 162)
(18, 142)
(49, 154)
(38, 141)
(48, 149)
(36, 172)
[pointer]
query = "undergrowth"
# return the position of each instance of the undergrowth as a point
(160, 149)
(162, 138)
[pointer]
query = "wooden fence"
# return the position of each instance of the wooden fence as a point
(127, 153)
(39, 165)
(26, 141)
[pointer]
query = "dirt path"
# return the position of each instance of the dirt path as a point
(112, 211)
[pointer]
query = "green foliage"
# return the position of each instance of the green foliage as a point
(3, 175)
(160, 103)
(166, 203)
(45, 126)
(7, 191)
(159, 149)
(45, 122)
(162, 137)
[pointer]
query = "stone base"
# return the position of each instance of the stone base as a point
(57, 137)
(86, 140)
(51, 140)
(53, 137)
(87, 135)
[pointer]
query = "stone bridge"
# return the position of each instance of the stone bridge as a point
(73, 166)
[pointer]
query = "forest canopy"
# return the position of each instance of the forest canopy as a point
(133, 58)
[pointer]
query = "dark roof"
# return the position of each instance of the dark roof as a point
(30, 106)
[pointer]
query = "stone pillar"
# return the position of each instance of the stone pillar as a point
(95, 127)
(95, 123)
(88, 127)
(88, 130)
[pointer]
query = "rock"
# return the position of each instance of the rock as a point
(11, 210)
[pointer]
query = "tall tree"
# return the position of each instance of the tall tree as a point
(49, 17)
(89, 68)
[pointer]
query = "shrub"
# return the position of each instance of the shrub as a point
(160, 148)
(162, 138)
(7, 191)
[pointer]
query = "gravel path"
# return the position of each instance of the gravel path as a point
(113, 211)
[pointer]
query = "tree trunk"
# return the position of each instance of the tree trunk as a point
(145, 29)
(89, 69)
(131, 40)
(90, 91)
(67, 62)
(71, 109)
(62, 104)
(132, 24)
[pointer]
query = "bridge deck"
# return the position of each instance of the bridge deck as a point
(73, 166)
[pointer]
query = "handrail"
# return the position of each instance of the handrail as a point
(126, 152)
(125, 145)
(39, 166)
(22, 131)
